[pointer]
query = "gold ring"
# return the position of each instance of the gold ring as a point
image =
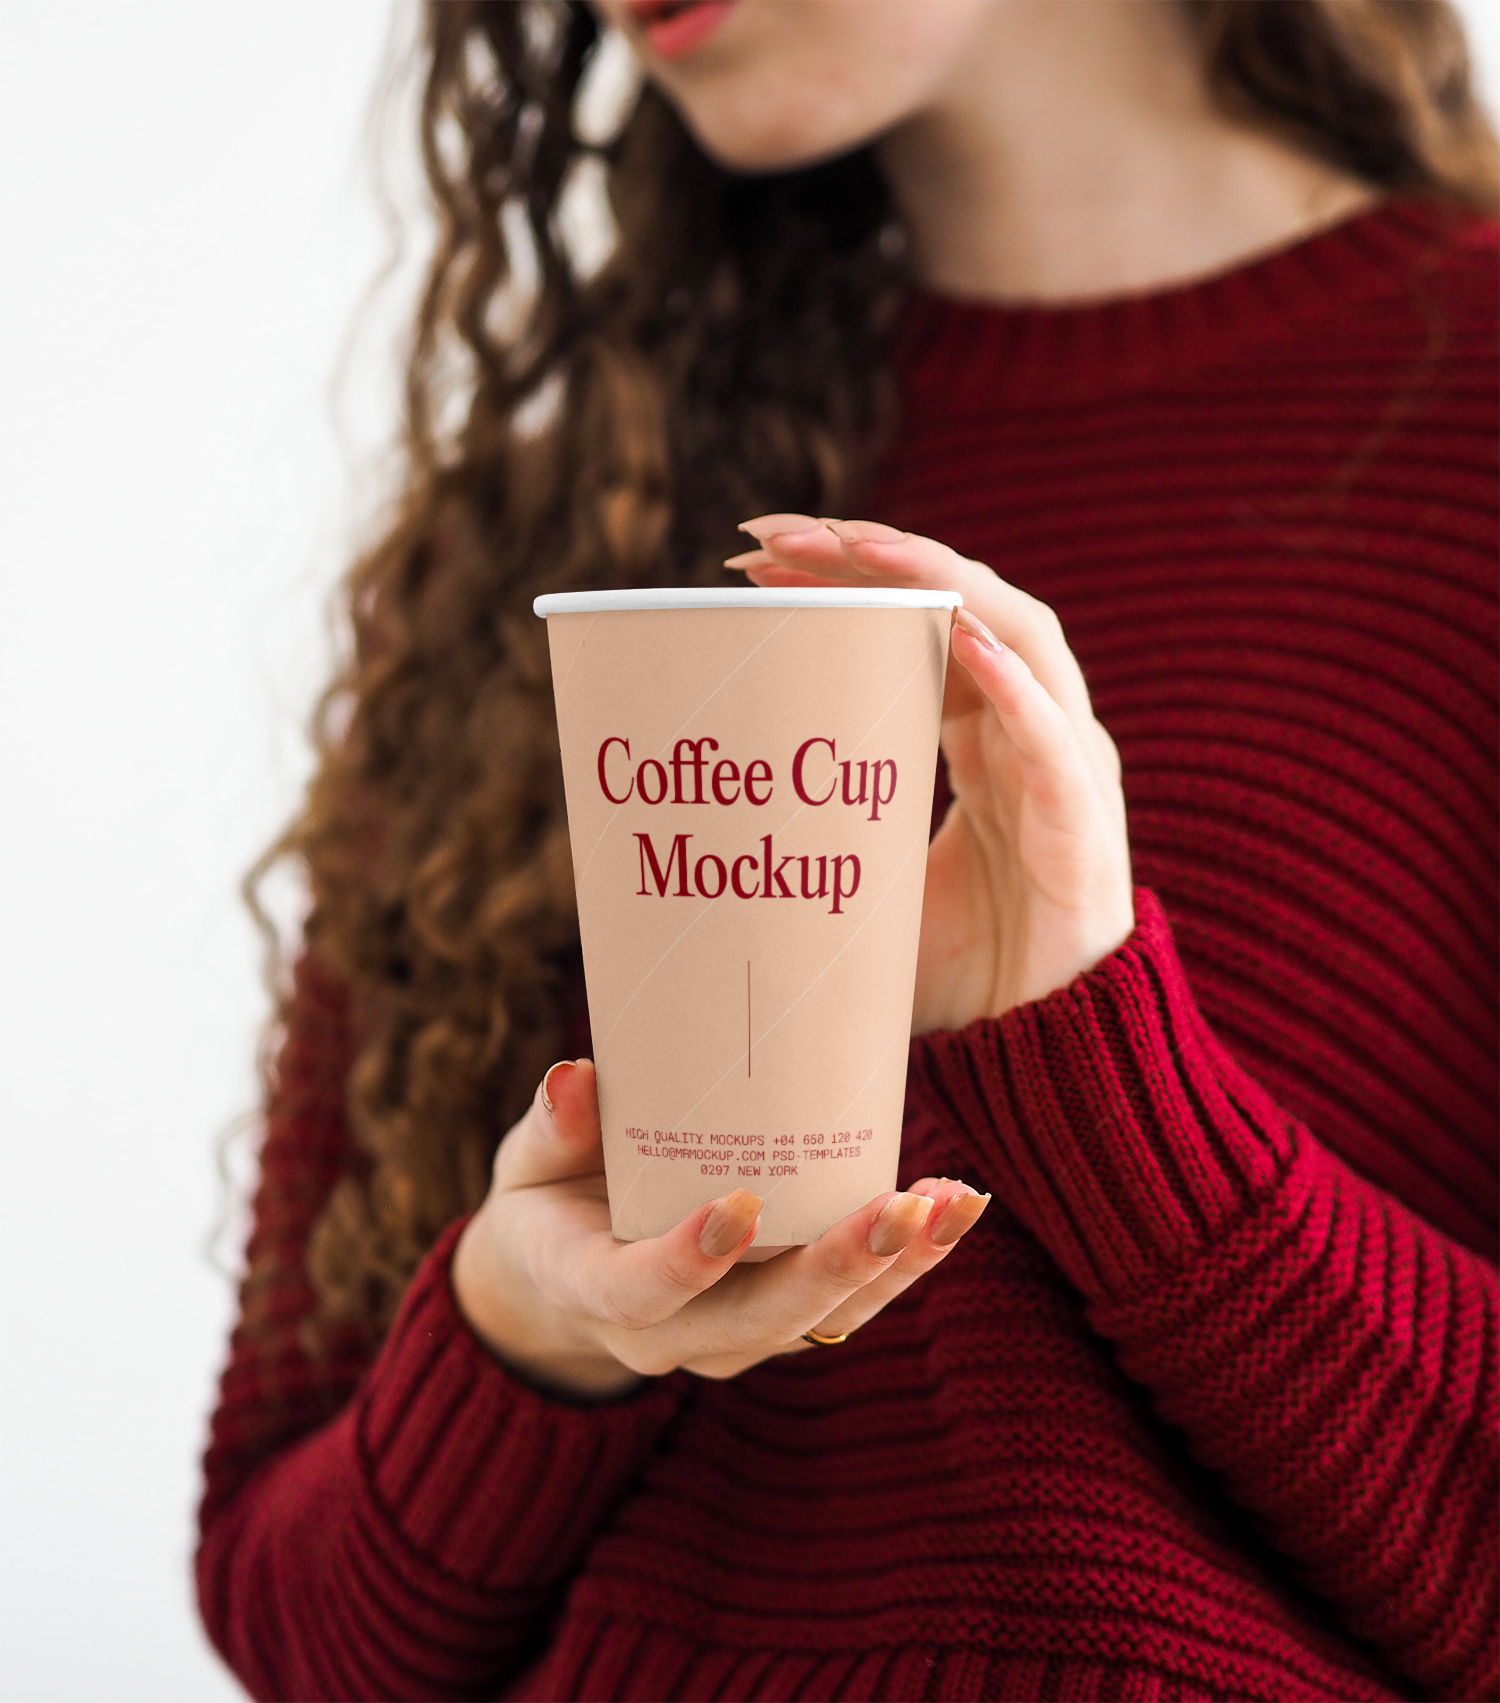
(823, 1341)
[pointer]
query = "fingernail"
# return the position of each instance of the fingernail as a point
(865, 532)
(728, 1224)
(745, 559)
(962, 1213)
(976, 629)
(769, 525)
(562, 1064)
(898, 1221)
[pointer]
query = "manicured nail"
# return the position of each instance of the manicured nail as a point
(976, 629)
(898, 1221)
(562, 1064)
(961, 1213)
(747, 559)
(728, 1224)
(769, 525)
(865, 532)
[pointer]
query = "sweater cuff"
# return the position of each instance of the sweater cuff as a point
(485, 1477)
(1120, 1131)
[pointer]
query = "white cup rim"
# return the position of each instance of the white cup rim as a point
(734, 597)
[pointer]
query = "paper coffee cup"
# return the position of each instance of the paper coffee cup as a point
(749, 786)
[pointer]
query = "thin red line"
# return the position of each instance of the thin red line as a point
(747, 1017)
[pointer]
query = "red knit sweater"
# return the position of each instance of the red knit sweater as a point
(1205, 1406)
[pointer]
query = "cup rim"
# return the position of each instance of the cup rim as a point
(734, 597)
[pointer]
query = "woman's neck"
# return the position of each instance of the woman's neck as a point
(1082, 156)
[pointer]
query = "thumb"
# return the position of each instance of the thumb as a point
(558, 1136)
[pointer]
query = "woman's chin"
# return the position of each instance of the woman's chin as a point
(759, 149)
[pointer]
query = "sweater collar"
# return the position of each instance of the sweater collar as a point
(971, 355)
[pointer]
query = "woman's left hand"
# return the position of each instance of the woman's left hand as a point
(1028, 879)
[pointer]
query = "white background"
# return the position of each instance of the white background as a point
(188, 229)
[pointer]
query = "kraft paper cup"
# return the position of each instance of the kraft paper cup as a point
(749, 786)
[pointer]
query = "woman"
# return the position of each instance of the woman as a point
(1182, 316)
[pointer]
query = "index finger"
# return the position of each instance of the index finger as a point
(635, 1285)
(854, 552)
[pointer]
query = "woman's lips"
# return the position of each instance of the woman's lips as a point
(673, 28)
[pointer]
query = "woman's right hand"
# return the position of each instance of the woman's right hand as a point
(578, 1314)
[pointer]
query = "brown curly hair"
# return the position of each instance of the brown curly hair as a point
(731, 357)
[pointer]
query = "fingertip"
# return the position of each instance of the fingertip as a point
(730, 1225)
(997, 671)
(936, 1186)
(967, 623)
(957, 1218)
(544, 1092)
(569, 1097)
(766, 526)
(897, 1222)
(558, 1135)
(866, 532)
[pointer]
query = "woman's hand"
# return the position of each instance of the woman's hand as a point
(567, 1307)
(1028, 879)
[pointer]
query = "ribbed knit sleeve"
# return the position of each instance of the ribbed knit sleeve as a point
(417, 1546)
(417, 1542)
(1321, 1347)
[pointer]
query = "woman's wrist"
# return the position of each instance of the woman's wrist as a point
(530, 1339)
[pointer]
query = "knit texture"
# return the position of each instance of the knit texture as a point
(1205, 1407)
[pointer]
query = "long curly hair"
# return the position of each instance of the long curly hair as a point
(732, 356)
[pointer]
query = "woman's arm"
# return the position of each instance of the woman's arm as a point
(1326, 1351)
(1322, 1347)
(417, 1544)
(407, 1527)
(401, 1527)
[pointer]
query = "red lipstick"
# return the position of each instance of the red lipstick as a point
(673, 28)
